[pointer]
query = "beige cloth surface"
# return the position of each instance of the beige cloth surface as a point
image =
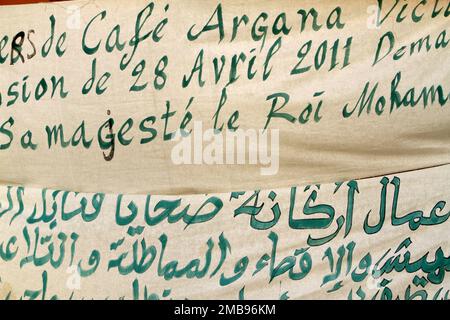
(73, 225)
(334, 149)
(120, 240)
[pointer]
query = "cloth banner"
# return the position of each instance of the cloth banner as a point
(228, 150)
